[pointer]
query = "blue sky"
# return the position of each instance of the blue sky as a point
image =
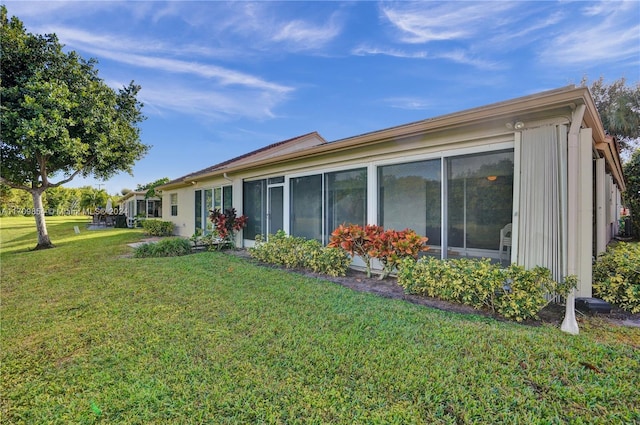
(220, 79)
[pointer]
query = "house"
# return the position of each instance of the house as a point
(135, 204)
(539, 168)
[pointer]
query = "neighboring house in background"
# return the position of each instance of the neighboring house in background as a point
(541, 163)
(135, 205)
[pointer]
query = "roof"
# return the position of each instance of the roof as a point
(133, 193)
(275, 149)
(563, 100)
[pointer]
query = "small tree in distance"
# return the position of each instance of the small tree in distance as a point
(151, 187)
(58, 119)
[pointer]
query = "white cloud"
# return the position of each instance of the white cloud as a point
(91, 41)
(458, 56)
(371, 51)
(425, 22)
(610, 32)
(411, 103)
(211, 102)
(303, 35)
(462, 57)
(223, 75)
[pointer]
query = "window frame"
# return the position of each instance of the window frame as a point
(173, 200)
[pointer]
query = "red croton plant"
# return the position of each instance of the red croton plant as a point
(388, 246)
(227, 223)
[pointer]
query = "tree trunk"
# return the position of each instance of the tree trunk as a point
(38, 212)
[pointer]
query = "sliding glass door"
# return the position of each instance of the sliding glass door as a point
(306, 206)
(479, 202)
(472, 204)
(409, 197)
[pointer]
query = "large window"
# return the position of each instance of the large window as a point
(207, 200)
(174, 204)
(409, 197)
(479, 200)
(340, 197)
(306, 207)
(345, 199)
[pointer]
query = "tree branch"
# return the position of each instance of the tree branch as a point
(67, 180)
(14, 185)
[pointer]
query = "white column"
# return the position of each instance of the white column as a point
(585, 214)
(515, 219)
(601, 207)
(569, 324)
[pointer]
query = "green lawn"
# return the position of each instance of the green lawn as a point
(90, 336)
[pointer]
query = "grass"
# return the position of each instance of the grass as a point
(90, 336)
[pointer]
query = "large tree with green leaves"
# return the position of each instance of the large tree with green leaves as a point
(58, 118)
(632, 194)
(619, 108)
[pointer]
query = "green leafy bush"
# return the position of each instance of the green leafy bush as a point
(616, 276)
(296, 252)
(514, 292)
(330, 261)
(171, 247)
(157, 227)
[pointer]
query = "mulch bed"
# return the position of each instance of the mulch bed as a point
(358, 281)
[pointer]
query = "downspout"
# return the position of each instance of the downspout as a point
(569, 324)
(226, 177)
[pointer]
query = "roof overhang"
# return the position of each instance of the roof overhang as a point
(560, 101)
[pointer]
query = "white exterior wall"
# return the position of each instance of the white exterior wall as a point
(483, 137)
(184, 221)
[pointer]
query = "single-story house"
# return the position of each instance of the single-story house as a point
(533, 180)
(135, 204)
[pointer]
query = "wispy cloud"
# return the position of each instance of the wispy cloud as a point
(410, 103)
(463, 57)
(612, 34)
(303, 35)
(424, 22)
(252, 96)
(211, 102)
(459, 56)
(372, 51)
(223, 75)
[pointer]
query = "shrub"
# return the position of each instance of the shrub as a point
(171, 247)
(296, 252)
(330, 261)
(356, 240)
(157, 227)
(226, 225)
(514, 292)
(391, 246)
(388, 246)
(210, 240)
(616, 276)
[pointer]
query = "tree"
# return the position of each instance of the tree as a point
(93, 198)
(632, 194)
(619, 108)
(151, 187)
(58, 118)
